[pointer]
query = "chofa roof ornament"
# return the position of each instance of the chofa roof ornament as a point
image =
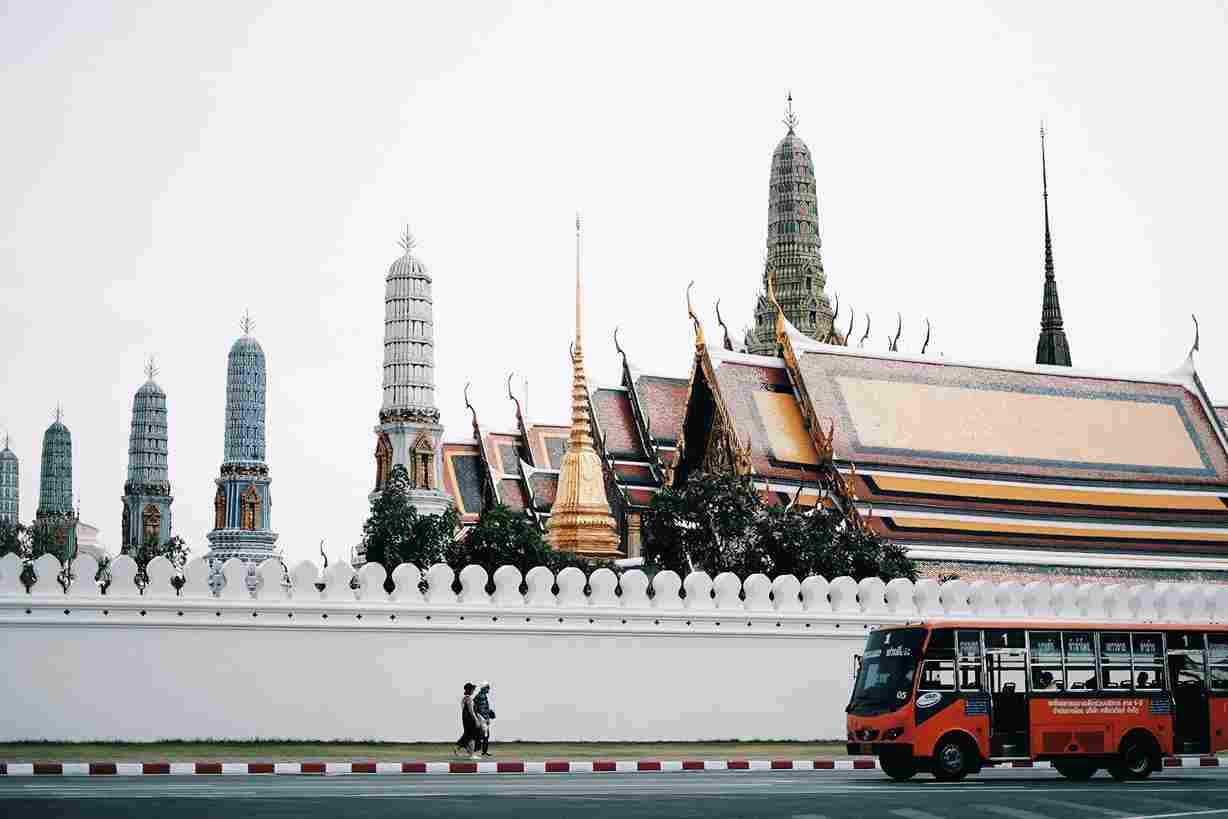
(690, 311)
(727, 342)
(926, 343)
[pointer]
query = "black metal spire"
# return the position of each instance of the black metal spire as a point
(1052, 347)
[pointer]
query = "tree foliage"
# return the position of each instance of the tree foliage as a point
(502, 537)
(720, 523)
(395, 533)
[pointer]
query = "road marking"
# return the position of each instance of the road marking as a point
(1081, 806)
(1183, 813)
(909, 813)
(1014, 813)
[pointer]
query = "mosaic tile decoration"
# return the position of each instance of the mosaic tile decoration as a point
(746, 388)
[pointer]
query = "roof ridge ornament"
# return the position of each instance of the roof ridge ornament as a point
(1194, 349)
(690, 311)
(619, 348)
(848, 336)
(476, 431)
(926, 343)
(790, 121)
(728, 343)
(780, 312)
(515, 400)
(865, 335)
(894, 344)
(407, 241)
(247, 324)
(59, 412)
(151, 369)
(7, 439)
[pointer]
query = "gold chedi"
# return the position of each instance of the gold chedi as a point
(580, 520)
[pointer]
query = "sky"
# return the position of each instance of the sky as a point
(168, 166)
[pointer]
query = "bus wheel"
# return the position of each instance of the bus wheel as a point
(952, 759)
(1135, 762)
(899, 767)
(1079, 770)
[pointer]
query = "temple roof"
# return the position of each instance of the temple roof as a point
(1033, 421)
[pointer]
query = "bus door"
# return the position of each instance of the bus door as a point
(1217, 679)
(1187, 673)
(1006, 675)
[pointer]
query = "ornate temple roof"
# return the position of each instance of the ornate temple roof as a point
(792, 246)
(55, 476)
(245, 400)
(409, 340)
(147, 440)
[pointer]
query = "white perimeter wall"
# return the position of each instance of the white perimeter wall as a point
(753, 659)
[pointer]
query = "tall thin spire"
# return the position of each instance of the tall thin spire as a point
(1052, 347)
(580, 519)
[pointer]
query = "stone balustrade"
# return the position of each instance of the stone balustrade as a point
(696, 595)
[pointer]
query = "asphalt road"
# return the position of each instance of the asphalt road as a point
(1019, 794)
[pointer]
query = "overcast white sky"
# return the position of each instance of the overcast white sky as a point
(166, 168)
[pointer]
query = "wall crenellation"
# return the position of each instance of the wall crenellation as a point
(632, 591)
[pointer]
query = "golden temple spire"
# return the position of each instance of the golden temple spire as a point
(580, 520)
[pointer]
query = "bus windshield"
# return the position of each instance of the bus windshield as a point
(884, 682)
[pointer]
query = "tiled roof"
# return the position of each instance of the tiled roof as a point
(664, 401)
(546, 443)
(1027, 422)
(616, 420)
(763, 411)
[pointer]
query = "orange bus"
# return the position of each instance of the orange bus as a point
(949, 696)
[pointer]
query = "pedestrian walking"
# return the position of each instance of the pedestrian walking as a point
(481, 704)
(471, 724)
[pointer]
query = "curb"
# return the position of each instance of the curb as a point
(465, 767)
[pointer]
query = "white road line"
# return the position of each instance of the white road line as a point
(1183, 813)
(909, 813)
(1081, 806)
(1014, 813)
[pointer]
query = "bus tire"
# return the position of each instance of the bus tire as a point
(899, 767)
(1138, 757)
(954, 758)
(1078, 770)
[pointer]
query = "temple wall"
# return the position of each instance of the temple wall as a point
(571, 658)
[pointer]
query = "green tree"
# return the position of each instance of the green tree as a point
(13, 538)
(719, 523)
(175, 549)
(395, 533)
(502, 537)
(707, 524)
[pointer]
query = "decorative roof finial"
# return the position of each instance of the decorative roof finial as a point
(894, 345)
(407, 241)
(790, 119)
(7, 439)
(1052, 347)
(477, 436)
(1194, 349)
(927, 337)
(59, 413)
(323, 555)
(865, 335)
(728, 343)
(835, 314)
(619, 348)
(515, 400)
(852, 318)
(690, 311)
(247, 324)
(151, 369)
(578, 345)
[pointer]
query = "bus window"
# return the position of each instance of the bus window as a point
(1116, 678)
(1148, 678)
(968, 652)
(1079, 649)
(1149, 648)
(970, 677)
(999, 638)
(1217, 654)
(969, 646)
(937, 675)
(1186, 641)
(1114, 647)
(1187, 670)
(941, 644)
(1048, 678)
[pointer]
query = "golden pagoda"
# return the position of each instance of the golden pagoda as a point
(580, 519)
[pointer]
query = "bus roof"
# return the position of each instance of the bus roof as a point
(1055, 625)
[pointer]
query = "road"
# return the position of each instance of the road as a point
(1018, 794)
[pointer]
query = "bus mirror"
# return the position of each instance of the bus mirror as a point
(856, 666)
